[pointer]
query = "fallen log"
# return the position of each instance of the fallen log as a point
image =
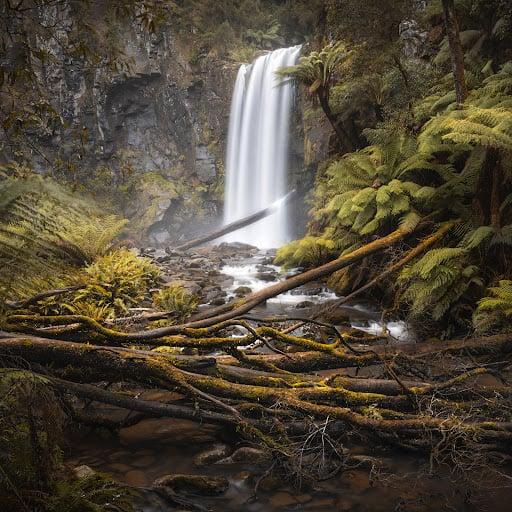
(151, 408)
(379, 407)
(413, 253)
(233, 309)
(239, 224)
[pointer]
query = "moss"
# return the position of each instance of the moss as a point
(176, 300)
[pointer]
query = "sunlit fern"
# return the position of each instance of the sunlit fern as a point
(46, 233)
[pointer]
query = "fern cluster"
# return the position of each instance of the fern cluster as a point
(494, 311)
(111, 285)
(177, 300)
(481, 133)
(457, 167)
(47, 233)
(307, 252)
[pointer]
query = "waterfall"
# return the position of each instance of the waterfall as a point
(257, 153)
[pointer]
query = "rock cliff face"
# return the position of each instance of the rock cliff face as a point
(146, 123)
(159, 116)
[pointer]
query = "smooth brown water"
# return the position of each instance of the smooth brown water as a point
(158, 447)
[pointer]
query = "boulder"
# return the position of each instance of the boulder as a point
(267, 276)
(304, 304)
(242, 291)
(193, 484)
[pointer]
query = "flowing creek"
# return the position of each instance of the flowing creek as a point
(156, 447)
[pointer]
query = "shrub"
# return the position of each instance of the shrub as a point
(117, 281)
(176, 299)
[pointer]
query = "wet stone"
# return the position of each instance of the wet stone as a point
(243, 455)
(304, 304)
(282, 499)
(267, 276)
(195, 484)
(136, 478)
(212, 455)
(242, 291)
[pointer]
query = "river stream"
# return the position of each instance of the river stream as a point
(156, 447)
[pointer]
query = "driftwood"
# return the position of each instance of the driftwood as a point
(247, 398)
(239, 224)
(421, 397)
(240, 307)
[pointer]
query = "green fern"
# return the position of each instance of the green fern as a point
(114, 283)
(306, 252)
(437, 280)
(316, 69)
(494, 311)
(177, 300)
(47, 233)
(484, 120)
(372, 187)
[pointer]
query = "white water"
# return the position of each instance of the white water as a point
(257, 153)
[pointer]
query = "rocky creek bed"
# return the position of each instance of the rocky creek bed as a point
(241, 479)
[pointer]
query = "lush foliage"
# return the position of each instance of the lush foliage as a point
(317, 68)
(494, 311)
(423, 160)
(177, 300)
(47, 233)
(114, 283)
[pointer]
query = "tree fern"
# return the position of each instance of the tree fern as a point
(317, 68)
(494, 311)
(374, 185)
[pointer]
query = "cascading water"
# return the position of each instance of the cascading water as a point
(257, 155)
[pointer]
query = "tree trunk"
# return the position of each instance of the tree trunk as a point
(342, 135)
(456, 51)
